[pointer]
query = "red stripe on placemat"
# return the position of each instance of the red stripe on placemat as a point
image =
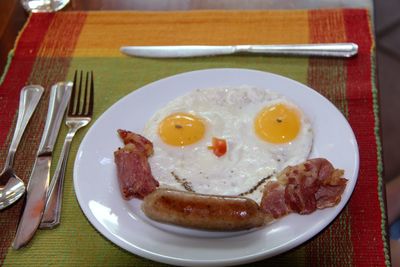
(366, 216)
(18, 73)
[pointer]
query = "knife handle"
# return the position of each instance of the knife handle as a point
(52, 212)
(59, 98)
(324, 50)
(29, 98)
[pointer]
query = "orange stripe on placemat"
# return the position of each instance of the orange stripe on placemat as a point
(102, 36)
(366, 215)
(41, 57)
(328, 76)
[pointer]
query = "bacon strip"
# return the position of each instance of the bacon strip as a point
(133, 170)
(140, 142)
(329, 196)
(314, 184)
(273, 201)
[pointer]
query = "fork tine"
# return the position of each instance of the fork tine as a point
(72, 99)
(91, 96)
(77, 105)
(78, 100)
(84, 103)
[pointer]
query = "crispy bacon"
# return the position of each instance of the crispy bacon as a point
(329, 195)
(133, 170)
(314, 184)
(140, 142)
(300, 198)
(273, 201)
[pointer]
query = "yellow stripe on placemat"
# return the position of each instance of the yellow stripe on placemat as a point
(102, 36)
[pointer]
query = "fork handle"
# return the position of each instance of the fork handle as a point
(52, 213)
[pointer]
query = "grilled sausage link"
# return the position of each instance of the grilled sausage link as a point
(209, 212)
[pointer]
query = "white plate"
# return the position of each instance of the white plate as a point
(123, 223)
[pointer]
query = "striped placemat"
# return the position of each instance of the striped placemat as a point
(52, 46)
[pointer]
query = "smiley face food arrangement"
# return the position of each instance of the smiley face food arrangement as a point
(226, 159)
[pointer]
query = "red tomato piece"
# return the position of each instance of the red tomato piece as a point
(219, 146)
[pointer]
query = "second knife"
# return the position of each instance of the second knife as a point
(39, 178)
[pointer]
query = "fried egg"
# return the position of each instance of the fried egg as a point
(264, 132)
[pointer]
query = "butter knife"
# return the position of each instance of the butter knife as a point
(323, 50)
(39, 178)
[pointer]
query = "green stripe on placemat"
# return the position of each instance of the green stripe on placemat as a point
(381, 186)
(7, 66)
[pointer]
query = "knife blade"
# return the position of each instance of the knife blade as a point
(39, 178)
(184, 51)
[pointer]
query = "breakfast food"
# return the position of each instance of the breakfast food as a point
(314, 184)
(226, 141)
(201, 211)
(133, 170)
(141, 144)
(226, 159)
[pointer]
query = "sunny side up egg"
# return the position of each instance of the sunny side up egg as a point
(264, 132)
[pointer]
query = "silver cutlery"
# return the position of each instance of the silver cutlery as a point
(39, 178)
(182, 51)
(11, 186)
(80, 112)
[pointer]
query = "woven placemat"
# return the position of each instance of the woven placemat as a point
(52, 46)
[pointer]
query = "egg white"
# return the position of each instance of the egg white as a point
(228, 113)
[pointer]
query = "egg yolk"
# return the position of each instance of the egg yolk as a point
(277, 124)
(181, 129)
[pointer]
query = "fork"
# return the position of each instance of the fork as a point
(80, 112)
